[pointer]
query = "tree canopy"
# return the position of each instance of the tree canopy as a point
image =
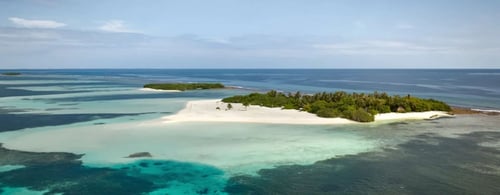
(355, 106)
(184, 86)
(11, 73)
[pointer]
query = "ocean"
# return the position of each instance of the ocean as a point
(70, 131)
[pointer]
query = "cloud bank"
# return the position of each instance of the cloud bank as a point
(48, 48)
(117, 26)
(35, 23)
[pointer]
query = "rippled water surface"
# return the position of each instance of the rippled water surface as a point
(69, 131)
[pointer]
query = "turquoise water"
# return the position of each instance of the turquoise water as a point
(172, 177)
(103, 115)
(15, 191)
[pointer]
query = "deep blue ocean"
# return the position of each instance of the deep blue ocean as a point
(70, 132)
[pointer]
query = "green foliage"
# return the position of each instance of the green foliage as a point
(361, 115)
(356, 106)
(289, 106)
(328, 113)
(11, 73)
(184, 86)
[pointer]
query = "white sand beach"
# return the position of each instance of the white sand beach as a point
(206, 111)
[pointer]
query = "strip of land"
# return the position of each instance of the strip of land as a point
(158, 90)
(218, 111)
(184, 86)
(11, 73)
(462, 110)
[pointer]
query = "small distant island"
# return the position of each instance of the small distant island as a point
(359, 107)
(11, 73)
(184, 86)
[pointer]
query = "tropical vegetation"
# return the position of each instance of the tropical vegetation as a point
(184, 86)
(360, 107)
(11, 73)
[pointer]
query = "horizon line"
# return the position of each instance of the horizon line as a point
(243, 68)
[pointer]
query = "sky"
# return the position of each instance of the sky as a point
(249, 34)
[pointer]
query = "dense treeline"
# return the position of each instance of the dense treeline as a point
(11, 73)
(355, 106)
(184, 86)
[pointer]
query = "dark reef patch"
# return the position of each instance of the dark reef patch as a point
(63, 173)
(68, 104)
(55, 109)
(178, 175)
(7, 92)
(428, 164)
(14, 157)
(58, 172)
(12, 122)
(11, 109)
(187, 94)
(140, 155)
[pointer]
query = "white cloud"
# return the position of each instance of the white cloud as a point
(36, 23)
(116, 26)
(380, 47)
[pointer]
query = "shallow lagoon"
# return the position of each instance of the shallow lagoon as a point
(108, 119)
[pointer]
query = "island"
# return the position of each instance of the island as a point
(315, 109)
(359, 107)
(11, 73)
(183, 86)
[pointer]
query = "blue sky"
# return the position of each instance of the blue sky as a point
(249, 34)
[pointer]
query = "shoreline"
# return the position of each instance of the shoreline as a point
(158, 90)
(206, 111)
(464, 110)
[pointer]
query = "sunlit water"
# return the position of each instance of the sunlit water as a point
(105, 116)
